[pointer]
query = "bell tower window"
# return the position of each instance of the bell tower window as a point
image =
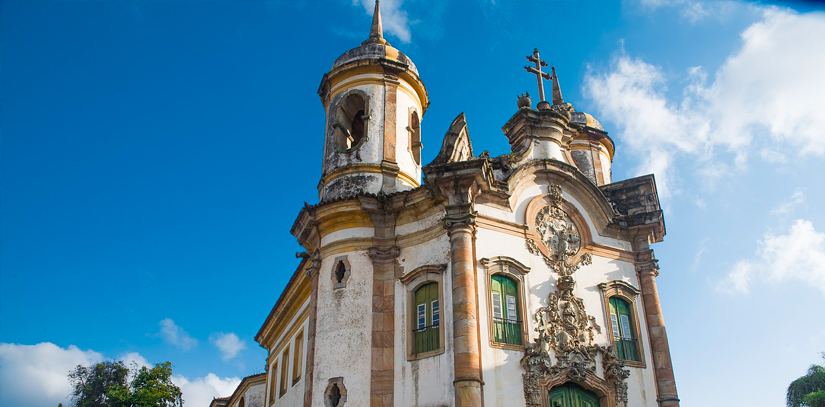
(350, 122)
(414, 130)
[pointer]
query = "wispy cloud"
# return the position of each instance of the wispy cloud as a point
(766, 98)
(798, 255)
(37, 375)
(228, 343)
(175, 335)
(393, 18)
(690, 10)
(787, 206)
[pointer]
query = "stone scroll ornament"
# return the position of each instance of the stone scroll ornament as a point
(564, 328)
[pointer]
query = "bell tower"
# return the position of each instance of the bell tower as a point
(374, 102)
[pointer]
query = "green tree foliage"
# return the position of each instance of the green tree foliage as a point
(808, 390)
(112, 384)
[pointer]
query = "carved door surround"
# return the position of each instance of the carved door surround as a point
(563, 350)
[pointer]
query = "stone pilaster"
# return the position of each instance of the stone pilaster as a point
(389, 166)
(460, 225)
(384, 252)
(312, 273)
(648, 269)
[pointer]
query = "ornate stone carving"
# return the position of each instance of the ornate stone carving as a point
(559, 236)
(563, 326)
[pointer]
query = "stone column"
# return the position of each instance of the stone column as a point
(460, 225)
(648, 268)
(312, 273)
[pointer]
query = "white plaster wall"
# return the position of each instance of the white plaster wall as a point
(419, 224)
(344, 330)
(345, 234)
(502, 366)
(426, 382)
(403, 157)
(545, 149)
(606, 165)
(254, 396)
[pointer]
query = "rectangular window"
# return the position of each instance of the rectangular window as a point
(626, 327)
(496, 305)
(614, 323)
(284, 372)
(422, 316)
(511, 308)
(297, 362)
(436, 314)
(273, 378)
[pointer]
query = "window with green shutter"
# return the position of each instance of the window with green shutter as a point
(427, 319)
(505, 308)
(621, 323)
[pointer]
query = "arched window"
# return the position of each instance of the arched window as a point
(414, 130)
(505, 308)
(621, 324)
(242, 403)
(427, 319)
(350, 122)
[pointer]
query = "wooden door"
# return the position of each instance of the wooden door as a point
(572, 395)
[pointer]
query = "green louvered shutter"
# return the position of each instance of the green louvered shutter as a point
(427, 318)
(505, 307)
(621, 322)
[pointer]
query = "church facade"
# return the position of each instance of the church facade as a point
(520, 280)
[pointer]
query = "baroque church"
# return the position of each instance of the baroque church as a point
(520, 280)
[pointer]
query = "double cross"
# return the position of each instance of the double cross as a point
(537, 71)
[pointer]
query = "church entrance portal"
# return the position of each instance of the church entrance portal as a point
(572, 395)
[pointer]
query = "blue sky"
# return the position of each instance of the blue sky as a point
(155, 154)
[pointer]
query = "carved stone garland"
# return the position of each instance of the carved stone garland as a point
(563, 326)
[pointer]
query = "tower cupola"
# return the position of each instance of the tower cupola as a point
(374, 102)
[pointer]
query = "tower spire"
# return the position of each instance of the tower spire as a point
(376, 30)
(557, 99)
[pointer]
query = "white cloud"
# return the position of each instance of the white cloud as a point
(37, 375)
(787, 206)
(766, 97)
(200, 391)
(798, 255)
(393, 19)
(228, 343)
(175, 335)
(133, 358)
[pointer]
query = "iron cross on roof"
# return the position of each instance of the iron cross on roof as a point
(537, 71)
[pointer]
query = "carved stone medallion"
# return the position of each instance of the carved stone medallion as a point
(552, 234)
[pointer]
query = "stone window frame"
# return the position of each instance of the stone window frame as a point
(335, 125)
(283, 383)
(328, 391)
(414, 145)
(273, 382)
(413, 281)
(512, 268)
(335, 284)
(630, 294)
(297, 358)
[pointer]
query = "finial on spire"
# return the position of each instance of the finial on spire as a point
(376, 30)
(557, 99)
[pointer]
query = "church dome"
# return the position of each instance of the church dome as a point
(585, 119)
(376, 50)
